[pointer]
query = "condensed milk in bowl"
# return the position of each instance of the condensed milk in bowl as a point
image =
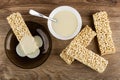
(68, 22)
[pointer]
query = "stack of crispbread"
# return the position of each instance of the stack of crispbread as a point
(77, 48)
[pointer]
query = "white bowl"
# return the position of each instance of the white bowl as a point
(65, 8)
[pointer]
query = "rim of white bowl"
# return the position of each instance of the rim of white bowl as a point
(67, 8)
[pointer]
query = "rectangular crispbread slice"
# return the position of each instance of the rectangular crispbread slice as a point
(22, 33)
(104, 33)
(18, 25)
(87, 57)
(84, 38)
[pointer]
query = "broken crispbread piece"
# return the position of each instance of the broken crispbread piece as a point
(18, 25)
(84, 38)
(87, 57)
(104, 33)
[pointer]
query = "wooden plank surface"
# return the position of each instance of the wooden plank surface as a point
(55, 68)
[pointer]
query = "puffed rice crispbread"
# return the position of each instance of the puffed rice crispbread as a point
(18, 25)
(84, 38)
(104, 33)
(87, 57)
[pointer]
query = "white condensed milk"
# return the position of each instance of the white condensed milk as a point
(66, 23)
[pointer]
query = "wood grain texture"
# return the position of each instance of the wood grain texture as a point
(55, 68)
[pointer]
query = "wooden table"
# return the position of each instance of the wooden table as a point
(55, 68)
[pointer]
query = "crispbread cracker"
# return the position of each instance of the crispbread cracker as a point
(68, 59)
(18, 25)
(104, 33)
(87, 57)
(83, 38)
